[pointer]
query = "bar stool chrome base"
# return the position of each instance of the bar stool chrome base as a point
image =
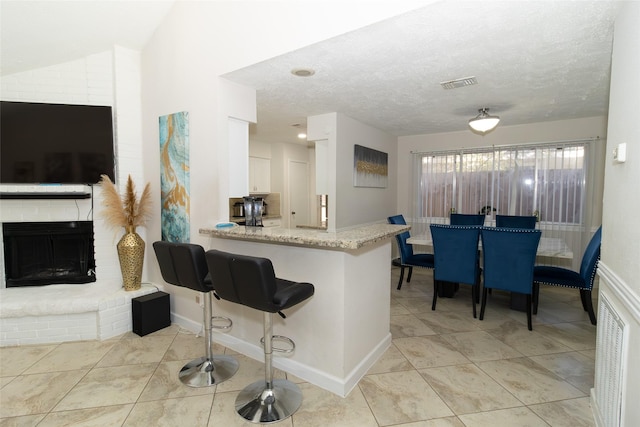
(258, 403)
(204, 372)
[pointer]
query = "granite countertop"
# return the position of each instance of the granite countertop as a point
(354, 238)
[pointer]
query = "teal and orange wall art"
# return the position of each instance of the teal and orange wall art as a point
(174, 177)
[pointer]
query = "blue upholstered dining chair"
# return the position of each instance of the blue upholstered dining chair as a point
(407, 258)
(455, 252)
(509, 257)
(466, 219)
(516, 221)
(558, 276)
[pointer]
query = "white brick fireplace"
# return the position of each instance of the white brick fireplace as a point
(97, 310)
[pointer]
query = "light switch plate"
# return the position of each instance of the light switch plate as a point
(620, 153)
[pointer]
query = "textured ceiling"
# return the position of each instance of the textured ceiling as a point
(534, 61)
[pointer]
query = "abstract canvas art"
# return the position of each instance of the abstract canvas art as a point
(174, 177)
(370, 168)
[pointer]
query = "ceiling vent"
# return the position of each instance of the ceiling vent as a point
(453, 84)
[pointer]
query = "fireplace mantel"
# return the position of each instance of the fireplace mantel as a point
(26, 195)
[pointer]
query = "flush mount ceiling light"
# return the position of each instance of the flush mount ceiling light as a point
(303, 72)
(483, 122)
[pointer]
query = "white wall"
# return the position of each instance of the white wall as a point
(361, 205)
(619, 267)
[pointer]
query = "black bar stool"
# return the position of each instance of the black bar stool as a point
(251, 281)
(184, 264)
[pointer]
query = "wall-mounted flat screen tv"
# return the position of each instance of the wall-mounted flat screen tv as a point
(55, 143)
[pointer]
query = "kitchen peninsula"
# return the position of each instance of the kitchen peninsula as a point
(344, 328)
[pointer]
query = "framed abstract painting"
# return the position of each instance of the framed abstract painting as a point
(370, 167)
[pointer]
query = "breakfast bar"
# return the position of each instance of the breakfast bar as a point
(343, 329)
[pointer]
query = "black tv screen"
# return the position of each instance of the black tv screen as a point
(55, 143)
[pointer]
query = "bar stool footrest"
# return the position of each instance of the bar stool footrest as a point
(228, 323)
(282, 339)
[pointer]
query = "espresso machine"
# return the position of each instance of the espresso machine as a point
(253, 208)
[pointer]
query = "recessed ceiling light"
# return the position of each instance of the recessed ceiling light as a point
(302, 135)
(303, 72)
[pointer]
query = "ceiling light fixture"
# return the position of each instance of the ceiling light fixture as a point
(302, 135)
(483, 122)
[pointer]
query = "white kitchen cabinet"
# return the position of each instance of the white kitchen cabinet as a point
(271, 222)
(259, 175)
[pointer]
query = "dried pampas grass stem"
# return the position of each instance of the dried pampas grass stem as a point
(126, 210)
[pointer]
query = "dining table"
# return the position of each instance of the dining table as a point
(553, 247)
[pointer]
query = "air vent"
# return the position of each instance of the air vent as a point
(453, 84)
(609, 374)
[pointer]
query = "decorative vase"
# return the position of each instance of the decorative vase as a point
(131, 255)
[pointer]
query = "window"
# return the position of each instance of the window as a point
(546, 180)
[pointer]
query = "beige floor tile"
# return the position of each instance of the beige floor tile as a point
(249, 371)
(448, 322)
(559, 312)
(5, 380)
(93, 417)
(479, 346)
(391, 361)
(169, 330)
(188, 411)
(408, 326)
(429, 352)
(574, 367)
(134, 380)
(37, 394)
(397, 309)
(321, 408)
(137, 351)
(575, 335)
(402, 397)
(27, 420)
(165, 384)
(574, 413)
(504, 417)
(529, 343)
(189, 346)
(528, 381)
(415, 305)
(460, 302)
(72, 356)
(439, 422)
(466, 389)
(109, 386)
(223, 413)
(500, 317)
(15, 360)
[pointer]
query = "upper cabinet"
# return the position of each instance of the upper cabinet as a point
(259, 175)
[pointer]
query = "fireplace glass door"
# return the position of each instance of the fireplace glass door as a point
(45, 253)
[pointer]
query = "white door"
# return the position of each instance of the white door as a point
(298, 193)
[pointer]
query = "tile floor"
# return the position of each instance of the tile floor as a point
(444, 368)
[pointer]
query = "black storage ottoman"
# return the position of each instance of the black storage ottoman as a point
(150, 313)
